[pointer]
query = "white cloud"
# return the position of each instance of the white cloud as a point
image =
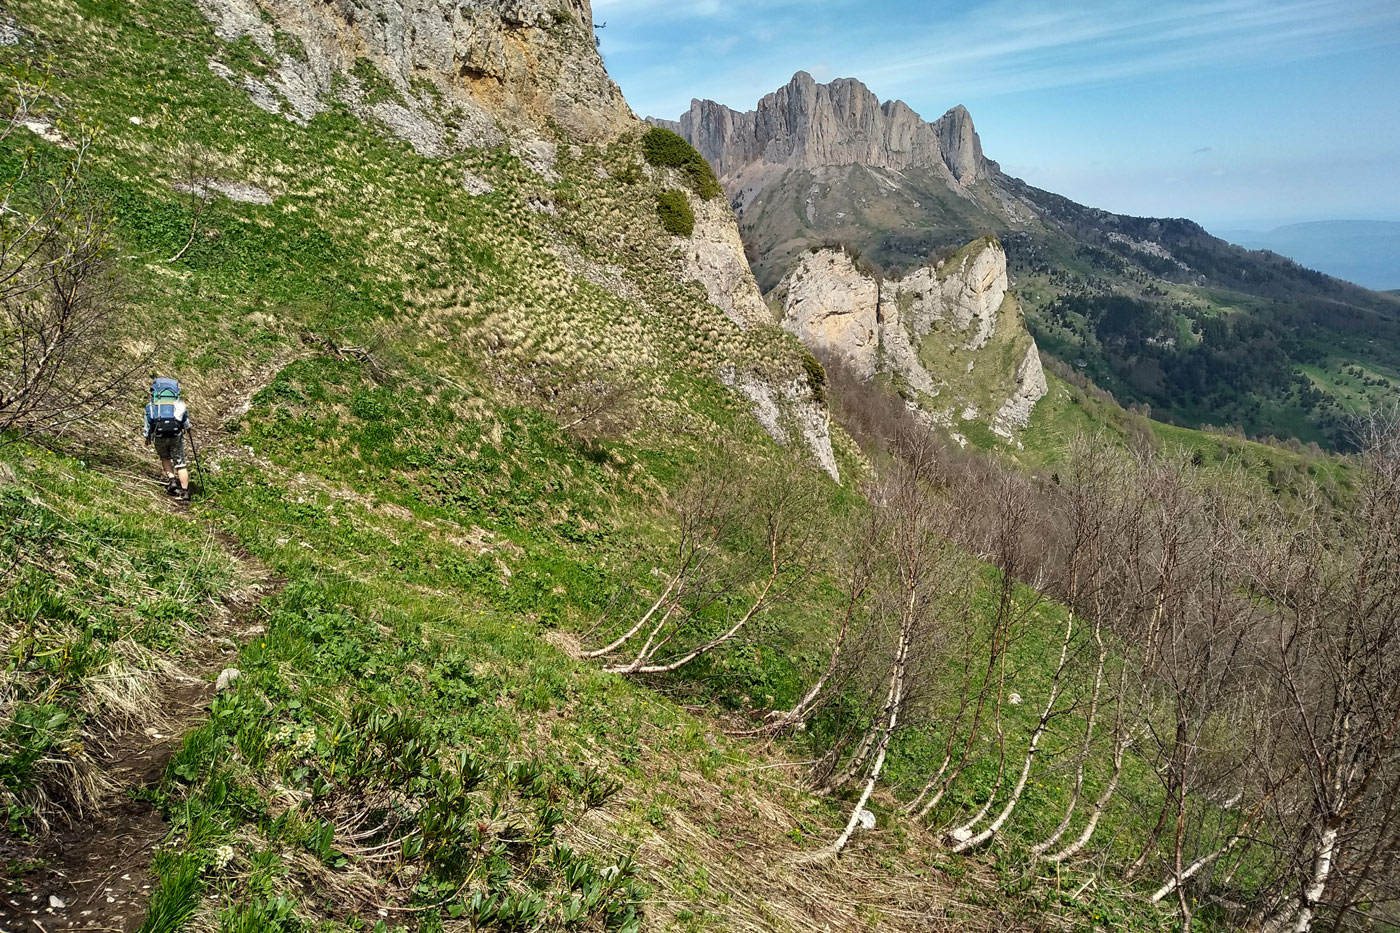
(1040, 45)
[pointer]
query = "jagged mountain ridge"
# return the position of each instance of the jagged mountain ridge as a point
(809, 125)
(1148, 307)
(838, 134)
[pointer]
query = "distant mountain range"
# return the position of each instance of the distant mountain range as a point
(1157, 310)
(1366, 252)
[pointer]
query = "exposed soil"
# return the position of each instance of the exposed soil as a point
(95, 874)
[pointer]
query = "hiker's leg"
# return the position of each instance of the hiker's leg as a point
(169, 469)
(182, 466)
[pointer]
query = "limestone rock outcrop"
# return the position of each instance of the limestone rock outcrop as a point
(1015, 412)
(805, 125)
(951, 338)
(830, 305)
(502, 68)
(713, 255)
(786, 409)
(967, 291)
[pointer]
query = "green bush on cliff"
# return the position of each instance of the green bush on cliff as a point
(675, 213)
(663, 147)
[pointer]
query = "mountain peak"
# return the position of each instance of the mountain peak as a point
(808, 124)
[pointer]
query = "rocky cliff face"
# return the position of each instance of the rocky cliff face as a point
(951, 337)
(805, 125)
(831, 306)
(714, 256)
(460, 74)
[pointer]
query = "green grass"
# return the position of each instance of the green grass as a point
(98, 595)
(1287, 470)
(405, 736)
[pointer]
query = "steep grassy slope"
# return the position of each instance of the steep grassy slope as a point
(382, 363)
(402, 749)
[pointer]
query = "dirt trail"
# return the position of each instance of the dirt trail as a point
(95, 874)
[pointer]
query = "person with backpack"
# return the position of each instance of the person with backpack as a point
(166, 423)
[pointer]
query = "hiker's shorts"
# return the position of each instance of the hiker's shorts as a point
(172, 449)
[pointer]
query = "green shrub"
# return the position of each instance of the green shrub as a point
(663, 147)
(675, 213)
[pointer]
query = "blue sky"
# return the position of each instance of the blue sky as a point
(1236, 113)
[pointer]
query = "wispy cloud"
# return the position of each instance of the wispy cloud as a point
(1022, 46)
(983, 50)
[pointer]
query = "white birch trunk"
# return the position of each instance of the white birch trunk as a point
(1039, 733)
(641, 667)
(1317, 885)
(625, 637)
(1175, 882)
(891, 717)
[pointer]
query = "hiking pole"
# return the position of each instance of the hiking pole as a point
(194, 452)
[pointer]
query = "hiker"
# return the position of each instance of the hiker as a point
(167, 420)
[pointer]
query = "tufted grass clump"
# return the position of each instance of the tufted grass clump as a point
(663, 147)
(816, 375)
(675, 213)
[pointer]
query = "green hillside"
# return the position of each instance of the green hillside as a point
(461, 419)
(389, 519)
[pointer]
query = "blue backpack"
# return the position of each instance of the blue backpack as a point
(161, 412)
(165, 389)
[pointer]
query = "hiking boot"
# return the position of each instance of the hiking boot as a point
(172, 487)
(184, 495)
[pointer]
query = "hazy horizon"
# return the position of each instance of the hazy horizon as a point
(1239, 114)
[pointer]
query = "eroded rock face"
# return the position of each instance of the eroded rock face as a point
(714, 256)
(943, 334)
(967, 292)
(500, 65)
(808, 125)
(786, 408)
(830, 305)
(1015, 412)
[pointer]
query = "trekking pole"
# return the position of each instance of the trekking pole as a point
(194, 451)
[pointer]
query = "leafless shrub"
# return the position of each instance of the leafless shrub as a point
(1330, 661)
(59, 301)
(590, 404)
(743, 545)
(194, 176)
(923, 594)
